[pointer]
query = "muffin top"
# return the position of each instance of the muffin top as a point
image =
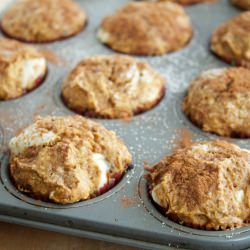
(112, 87)
(146, 28)
(43, 20)
(231, 40)
(22, 68)
(218, 101)
(66, 159)
(243, 4)
(186, 2)
(205, 185)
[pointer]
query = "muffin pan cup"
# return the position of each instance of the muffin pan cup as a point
(124, 214)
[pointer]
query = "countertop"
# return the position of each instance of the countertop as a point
(15, 237)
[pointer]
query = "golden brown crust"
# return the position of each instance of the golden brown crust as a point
(205, 185)
(54, 159)
(219, 101)
(231, 40)
(13, 56)
(112, 87)
(186, 2)
(243, 4)
(146, 28)
(43, 20)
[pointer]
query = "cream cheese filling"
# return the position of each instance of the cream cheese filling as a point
(104, 167)
(239, 195)
(103, 35)
(213, 73)
(32, 70)
(155, 196)
(31, 136)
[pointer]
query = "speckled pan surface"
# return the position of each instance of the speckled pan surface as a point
(123, 214)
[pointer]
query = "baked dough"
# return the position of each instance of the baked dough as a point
(146, 28)
(218, 101)
(112, 87)
(186, 2)
(231, 40)
(205, 185)
(243, 4)
(43, 20)
(66, 159)
(22, 68)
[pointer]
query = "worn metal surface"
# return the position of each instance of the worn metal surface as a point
(123, 214)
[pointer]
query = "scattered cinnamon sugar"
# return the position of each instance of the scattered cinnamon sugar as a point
(136, 190)
(7, 120)
(52, 57)
(38, 110)
(183, 140)
(127, 201)
(146, 165)
(49, 93)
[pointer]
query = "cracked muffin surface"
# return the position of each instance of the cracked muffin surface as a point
(231, 40)
(218, 101)
(22, 68)
(205, 185)
(66, 159)
(146, 28)
(43, 20)
(112, 87)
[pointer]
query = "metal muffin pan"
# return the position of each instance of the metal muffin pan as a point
(124, 214)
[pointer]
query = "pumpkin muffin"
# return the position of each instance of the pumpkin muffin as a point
(243, 4)
(205, 185)
(231, 40)
(218, 101)
(112, 87)
(43, 20)
(22, 68)
(66, 159)
(186, 2)
(146, 28)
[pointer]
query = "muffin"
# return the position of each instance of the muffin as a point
(66, 159)
(146, 28)
(22, 68)
(43, 20)
(112, 87)
(205, 185)
(186, 2)
(218, 101)
(231, 40)
(243, 4)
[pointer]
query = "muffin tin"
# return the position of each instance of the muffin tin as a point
(125, 213)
